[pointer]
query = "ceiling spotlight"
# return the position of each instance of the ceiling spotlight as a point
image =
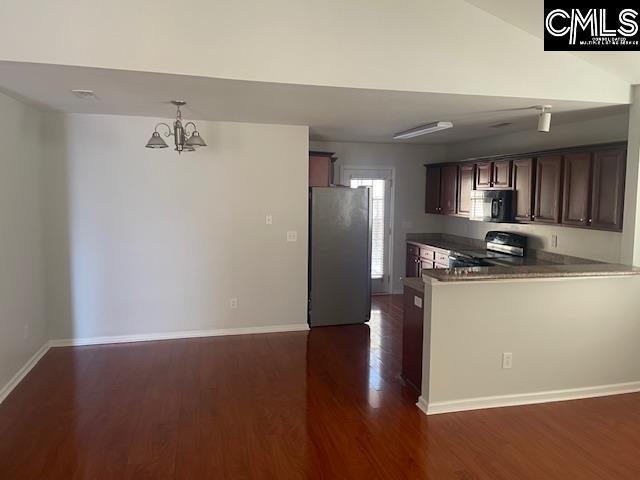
(423, 130)
(544, 118)
(183, 140)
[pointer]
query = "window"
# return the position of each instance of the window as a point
(377, 222)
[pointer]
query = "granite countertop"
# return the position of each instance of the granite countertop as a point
(537, 264)
(414, 282)
(531, 271)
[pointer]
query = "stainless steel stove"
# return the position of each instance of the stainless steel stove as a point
(502, 247)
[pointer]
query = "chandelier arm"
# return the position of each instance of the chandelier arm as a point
(170, 130)
(186, 133)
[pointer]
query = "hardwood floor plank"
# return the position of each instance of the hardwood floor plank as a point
(325, 404)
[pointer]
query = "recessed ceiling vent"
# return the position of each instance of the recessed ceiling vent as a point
(500, 125)
(85, 94)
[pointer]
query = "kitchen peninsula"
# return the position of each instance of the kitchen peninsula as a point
(551, 328)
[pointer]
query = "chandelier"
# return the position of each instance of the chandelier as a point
(184, 141)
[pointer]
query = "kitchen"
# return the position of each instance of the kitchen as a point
(464, 323)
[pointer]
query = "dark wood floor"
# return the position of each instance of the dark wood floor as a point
(325, 404)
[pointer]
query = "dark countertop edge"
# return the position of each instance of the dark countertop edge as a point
(445, 277)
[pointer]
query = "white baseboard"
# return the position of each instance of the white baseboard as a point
(26, 368)
(526, 398)
(148, 337)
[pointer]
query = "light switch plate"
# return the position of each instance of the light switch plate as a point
(417, 301)
(269, 219)
(292, 236)
(507, 360)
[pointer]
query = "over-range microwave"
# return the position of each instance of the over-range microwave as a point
(492, 206)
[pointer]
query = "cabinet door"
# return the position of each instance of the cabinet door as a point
(465, 185)
(484, 171)
(412, 266)
(608, 189)
(523, 185)
(432, 190)
(320, 169)
(448, 189)
(501, 174)
(412, 332)
(547, 195)
(577, 189)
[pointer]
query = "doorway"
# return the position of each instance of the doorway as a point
(380, 183)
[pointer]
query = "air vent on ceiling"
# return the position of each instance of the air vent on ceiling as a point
(500, 125)
(85, 94)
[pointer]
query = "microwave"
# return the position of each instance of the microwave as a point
(492, 206)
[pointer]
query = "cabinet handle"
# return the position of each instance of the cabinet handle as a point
(590, 220)
(581, 220)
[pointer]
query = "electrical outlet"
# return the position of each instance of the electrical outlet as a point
(233, 302)
(292, 236)
(507, 360)
(554, 241)
(269, 219)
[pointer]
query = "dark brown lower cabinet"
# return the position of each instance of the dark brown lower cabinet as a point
(412, 326)
(548, 187)
(523, 175)
(577, 189)
(607, 196)
(413, 266)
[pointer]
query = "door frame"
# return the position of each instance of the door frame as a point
(389, 174)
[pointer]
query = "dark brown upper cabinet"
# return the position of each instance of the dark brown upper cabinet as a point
(321, 168)
(448, 189)
(523, 175)
(577, 189)
(607, 197)
(484, 176)
(493, 174)
(432, 190)
(441, 189)
(465, 186)
(548, 188)
(501, 174)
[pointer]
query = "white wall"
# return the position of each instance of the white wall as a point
(408, 205)
(22, 313)
(418, 45)
(563, 333)
(145, 241)
(597, 245)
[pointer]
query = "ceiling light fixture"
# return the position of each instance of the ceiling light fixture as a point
(423, 130)
(544, 118)
(184, 141)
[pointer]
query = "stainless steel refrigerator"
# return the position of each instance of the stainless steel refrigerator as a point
(339, 255)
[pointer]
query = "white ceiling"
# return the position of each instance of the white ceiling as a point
(528, 15)
(335, 114)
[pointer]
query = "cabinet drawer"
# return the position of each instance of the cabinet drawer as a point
(413, 250)
(442, 259)
(427, 253)
(426, 265)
